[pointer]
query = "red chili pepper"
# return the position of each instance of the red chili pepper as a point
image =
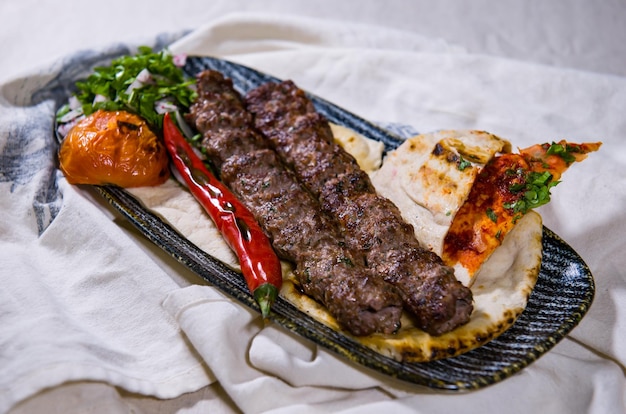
(259, 264)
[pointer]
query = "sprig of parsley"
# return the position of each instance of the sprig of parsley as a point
(563, 151)
(109, 87)
(536, 190)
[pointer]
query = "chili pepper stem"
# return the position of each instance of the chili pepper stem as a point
(265, 295)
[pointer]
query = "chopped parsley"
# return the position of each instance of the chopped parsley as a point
(563, 151)
(492, 215)
(536, 192)
(463, 164)
(148, 84)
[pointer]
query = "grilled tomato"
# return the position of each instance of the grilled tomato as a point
(113, 147)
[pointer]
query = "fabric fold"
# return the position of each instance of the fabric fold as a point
(261, 367)
(81, 300)
(252, 33)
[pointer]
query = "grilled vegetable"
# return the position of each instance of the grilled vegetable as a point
(259, 264)
(113, 148)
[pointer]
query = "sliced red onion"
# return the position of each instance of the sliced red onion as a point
(182, 124)
(100, 98)
(179, 60)
(63, 129)
(74, 103)
(71, 115)
(164, 106)
(144, 76)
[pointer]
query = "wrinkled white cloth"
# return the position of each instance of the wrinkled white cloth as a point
(85, 298)
(80, 300)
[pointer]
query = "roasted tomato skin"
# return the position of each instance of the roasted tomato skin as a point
(113, 147)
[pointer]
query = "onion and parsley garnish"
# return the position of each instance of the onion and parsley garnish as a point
(535, 191)
(148, 84)
(537, 182)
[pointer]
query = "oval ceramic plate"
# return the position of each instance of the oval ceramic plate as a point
(563, 293)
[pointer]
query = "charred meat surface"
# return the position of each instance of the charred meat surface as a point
(371, 224)
(293, 219)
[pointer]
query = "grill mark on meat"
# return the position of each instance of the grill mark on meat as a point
(372, 224)
(293, 219)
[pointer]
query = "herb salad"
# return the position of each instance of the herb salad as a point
(148, 84)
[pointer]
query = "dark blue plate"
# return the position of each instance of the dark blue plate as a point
(563, 293)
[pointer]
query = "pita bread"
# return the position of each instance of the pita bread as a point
(501, 292)
(429, 177)
(422, 177)
(504, 282)
(368, 152)
(176, 206)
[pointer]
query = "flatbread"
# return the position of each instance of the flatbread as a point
(504, 282)
(422, 177)
(178, 207)
(501, 292)
(368, 152)
(430, 175)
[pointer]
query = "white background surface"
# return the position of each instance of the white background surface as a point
(586, 36)
(581, 34)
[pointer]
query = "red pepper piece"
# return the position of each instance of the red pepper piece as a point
(259, 264)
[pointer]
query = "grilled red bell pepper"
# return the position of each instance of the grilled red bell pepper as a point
(259, 264)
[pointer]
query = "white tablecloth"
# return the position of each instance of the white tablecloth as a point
(97, 319)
